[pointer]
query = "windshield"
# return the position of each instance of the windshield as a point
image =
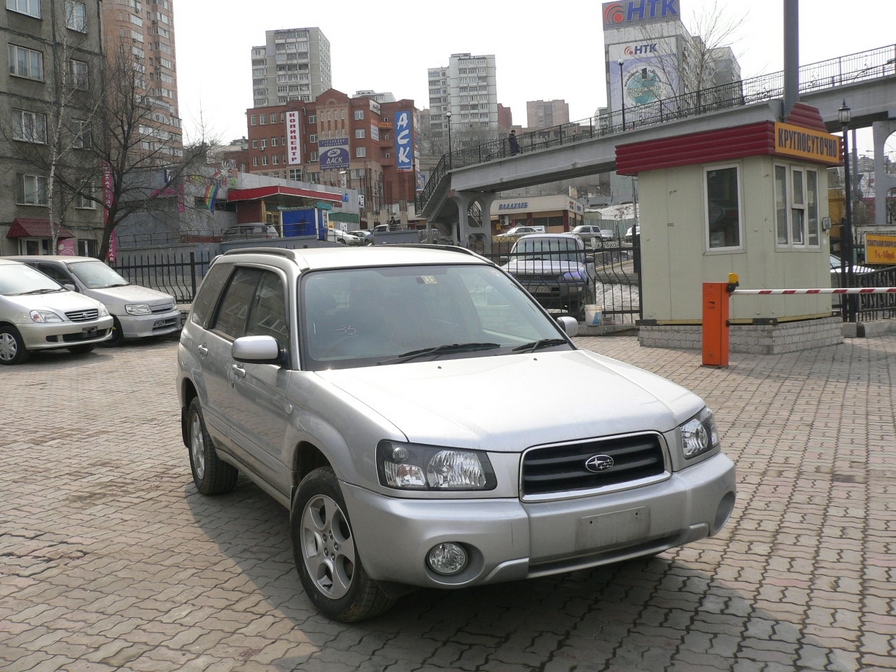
(96, 275)
(371, 316)
(21, 279)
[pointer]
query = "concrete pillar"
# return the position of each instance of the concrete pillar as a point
(465, 227)
(882, 182)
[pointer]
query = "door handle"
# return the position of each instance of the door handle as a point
(238, 370)
(203, 349)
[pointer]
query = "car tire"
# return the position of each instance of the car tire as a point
(12, 347)
(117, 337)
(326, 556)
(82, 349)
(211, 475)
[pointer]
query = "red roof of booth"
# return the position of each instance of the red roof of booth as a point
(35, 228)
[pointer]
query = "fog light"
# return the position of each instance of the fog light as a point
(447, 558)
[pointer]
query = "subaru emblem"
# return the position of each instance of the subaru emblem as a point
(599, 463)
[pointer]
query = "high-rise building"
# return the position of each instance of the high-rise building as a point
(466, 88)
(542, 113)
(293, 64)
(54, 56)
(140, 34)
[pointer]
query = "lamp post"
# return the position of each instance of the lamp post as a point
(622, 92)
(448, 115)
(846, 264)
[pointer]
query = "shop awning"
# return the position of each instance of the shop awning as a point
(236, 195)
(35, 228)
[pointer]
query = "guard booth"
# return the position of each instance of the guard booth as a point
(750, 200)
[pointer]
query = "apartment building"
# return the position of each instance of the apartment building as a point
(464, 93)
(54, 55)
(292, 64)
(140, 34)
(546, 113)
(352, 142)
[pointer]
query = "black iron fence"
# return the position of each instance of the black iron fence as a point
(869, 307)
(178, 273)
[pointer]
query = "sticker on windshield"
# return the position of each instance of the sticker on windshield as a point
(427, 280)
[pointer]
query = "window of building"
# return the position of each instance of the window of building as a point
(723, 208)
(80, 76)
(31, 189)
(360, 152)
(264, 160)
(295, 174)
(312, 137)
(254, 160)
(75, 16)
(359, 114)
(796, 207)
(273, 142)
(264, 143)
(29, 127)
(84, 200)
(26, 62)
(314, 157)
(80, 134)
(29, 7)
(87, 248)
(263, 119)
(253, 120)
(276, 160)
(360, 133)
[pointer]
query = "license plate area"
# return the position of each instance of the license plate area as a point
(612, 529)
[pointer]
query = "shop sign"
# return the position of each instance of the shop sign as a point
(880, 249)
(808, 144)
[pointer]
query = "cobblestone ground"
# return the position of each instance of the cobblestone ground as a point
(110, 560)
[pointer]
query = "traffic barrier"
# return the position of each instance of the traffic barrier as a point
(716, 323)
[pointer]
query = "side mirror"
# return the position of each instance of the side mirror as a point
(256, 350)
(570, 325)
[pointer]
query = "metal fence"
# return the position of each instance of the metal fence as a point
(870, 307)
(178, 273)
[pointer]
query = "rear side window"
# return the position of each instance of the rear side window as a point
(207, 296)
(234, 307)
(254, 304)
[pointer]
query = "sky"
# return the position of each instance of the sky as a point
(555, 51)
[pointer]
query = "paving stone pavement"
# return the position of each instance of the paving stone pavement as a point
(110, 559)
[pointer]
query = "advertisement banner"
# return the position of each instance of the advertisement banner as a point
(334, 154)
(404, 141)
(648, 72)
(630, 12)
(293, 139)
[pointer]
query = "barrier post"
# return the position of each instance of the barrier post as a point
(716, 337)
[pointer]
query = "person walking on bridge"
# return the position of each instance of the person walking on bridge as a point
(514, 144)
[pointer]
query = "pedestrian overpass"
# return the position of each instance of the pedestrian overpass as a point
(468, 179)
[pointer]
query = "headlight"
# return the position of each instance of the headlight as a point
(104, 312)
(699, 434)
(44, 316)
(409, 466)
(138, 309)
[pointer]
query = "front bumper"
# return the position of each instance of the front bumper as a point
(64, 334)
(144, 326)
(507, 539)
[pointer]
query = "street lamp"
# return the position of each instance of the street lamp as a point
(846, 265)
(622, 92)
(448, 115)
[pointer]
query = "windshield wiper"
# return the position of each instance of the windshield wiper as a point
(45, 290)
(538, 345)
(447, 348)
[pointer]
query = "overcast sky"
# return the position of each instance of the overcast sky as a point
(554, 52)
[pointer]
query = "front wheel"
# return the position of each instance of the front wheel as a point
(211, 475)
(325, 553)
(12, 346)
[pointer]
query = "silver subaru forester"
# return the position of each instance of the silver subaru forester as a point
(427, 423)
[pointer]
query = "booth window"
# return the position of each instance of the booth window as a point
(796, 207)
(723, 208)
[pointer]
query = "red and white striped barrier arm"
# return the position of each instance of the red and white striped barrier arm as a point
(829, 290)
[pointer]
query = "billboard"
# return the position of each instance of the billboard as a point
(649, 72)
(293, 139)
(632, 12)
(334, 154)
(404, 141)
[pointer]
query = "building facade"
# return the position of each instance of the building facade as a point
(355, 143)
(465, 94)
(545, 113)
(292, 64)
(54, 54)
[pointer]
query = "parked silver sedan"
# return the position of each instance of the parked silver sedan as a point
(37, 313)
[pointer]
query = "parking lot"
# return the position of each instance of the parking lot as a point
(110, 559)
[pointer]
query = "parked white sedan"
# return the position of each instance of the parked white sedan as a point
(37, 313)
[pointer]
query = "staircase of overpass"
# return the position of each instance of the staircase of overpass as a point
(867, 80)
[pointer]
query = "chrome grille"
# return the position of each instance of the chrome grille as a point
(558, 469)
(164, 308)
(83, 315)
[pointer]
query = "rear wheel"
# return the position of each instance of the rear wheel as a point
(211, 475)
(12, 347)
(325, 553)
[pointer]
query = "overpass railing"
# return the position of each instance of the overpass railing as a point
(834, 72)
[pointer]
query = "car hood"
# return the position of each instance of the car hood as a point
(130, 294)
(60, 302)
(506, 403)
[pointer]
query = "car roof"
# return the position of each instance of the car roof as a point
(51, 257)
(316, 258)
(10, 262)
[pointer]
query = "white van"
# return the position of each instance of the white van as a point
(138, 311)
